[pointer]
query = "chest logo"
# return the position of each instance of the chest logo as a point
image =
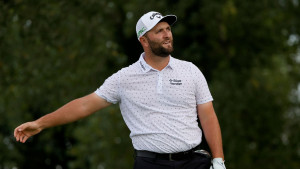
(175, 82)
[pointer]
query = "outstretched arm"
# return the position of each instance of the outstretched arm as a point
(72, 111)
(211, 129)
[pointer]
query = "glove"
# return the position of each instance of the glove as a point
(217, 163)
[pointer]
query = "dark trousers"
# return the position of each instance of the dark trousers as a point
(195, 161)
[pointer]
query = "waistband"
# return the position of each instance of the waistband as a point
(165, 156)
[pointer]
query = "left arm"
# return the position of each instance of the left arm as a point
(211, 129)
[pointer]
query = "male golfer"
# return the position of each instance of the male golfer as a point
(160, 98)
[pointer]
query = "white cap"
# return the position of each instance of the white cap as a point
(150, 19)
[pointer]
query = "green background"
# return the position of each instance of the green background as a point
(52, 52)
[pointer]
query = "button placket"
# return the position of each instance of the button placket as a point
(159, 83)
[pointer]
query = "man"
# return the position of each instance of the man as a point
(159, 97)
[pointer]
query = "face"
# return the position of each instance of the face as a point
(160, 39)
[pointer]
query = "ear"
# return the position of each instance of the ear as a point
(144, 41)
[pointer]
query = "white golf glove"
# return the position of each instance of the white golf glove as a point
(217, 163)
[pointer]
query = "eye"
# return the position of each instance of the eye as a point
(160, 30)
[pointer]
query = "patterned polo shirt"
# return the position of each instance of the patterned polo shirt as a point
(159, 107)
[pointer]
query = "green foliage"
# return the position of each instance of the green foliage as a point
(54, 51)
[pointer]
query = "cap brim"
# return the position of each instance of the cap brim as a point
(170, 19)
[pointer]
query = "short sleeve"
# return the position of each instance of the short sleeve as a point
(110, 89)
(202, 92)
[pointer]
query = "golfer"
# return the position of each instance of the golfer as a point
(160, 98)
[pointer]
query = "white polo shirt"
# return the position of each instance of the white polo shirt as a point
(159, 107)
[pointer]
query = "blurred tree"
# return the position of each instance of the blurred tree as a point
(51, 53)
(54, 51)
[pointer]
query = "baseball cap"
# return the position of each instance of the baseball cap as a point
(150, 19)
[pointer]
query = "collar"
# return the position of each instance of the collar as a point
(146, 68)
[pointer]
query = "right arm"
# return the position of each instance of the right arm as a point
(72, 111)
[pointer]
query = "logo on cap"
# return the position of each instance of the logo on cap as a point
(141, 31)
(157, 14)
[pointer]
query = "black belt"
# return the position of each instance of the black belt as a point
(165, 156)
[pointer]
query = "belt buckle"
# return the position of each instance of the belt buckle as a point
(203, 153)
(170, 158)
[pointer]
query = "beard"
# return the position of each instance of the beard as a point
(159, 50)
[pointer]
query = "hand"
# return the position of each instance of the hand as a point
(26, 130)
(217, 163)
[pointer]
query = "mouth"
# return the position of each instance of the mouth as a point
(168, 42)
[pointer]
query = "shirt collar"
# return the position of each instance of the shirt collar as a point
(146, 68)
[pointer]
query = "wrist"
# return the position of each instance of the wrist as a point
(39, 125)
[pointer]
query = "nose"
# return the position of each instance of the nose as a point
(167, 34)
